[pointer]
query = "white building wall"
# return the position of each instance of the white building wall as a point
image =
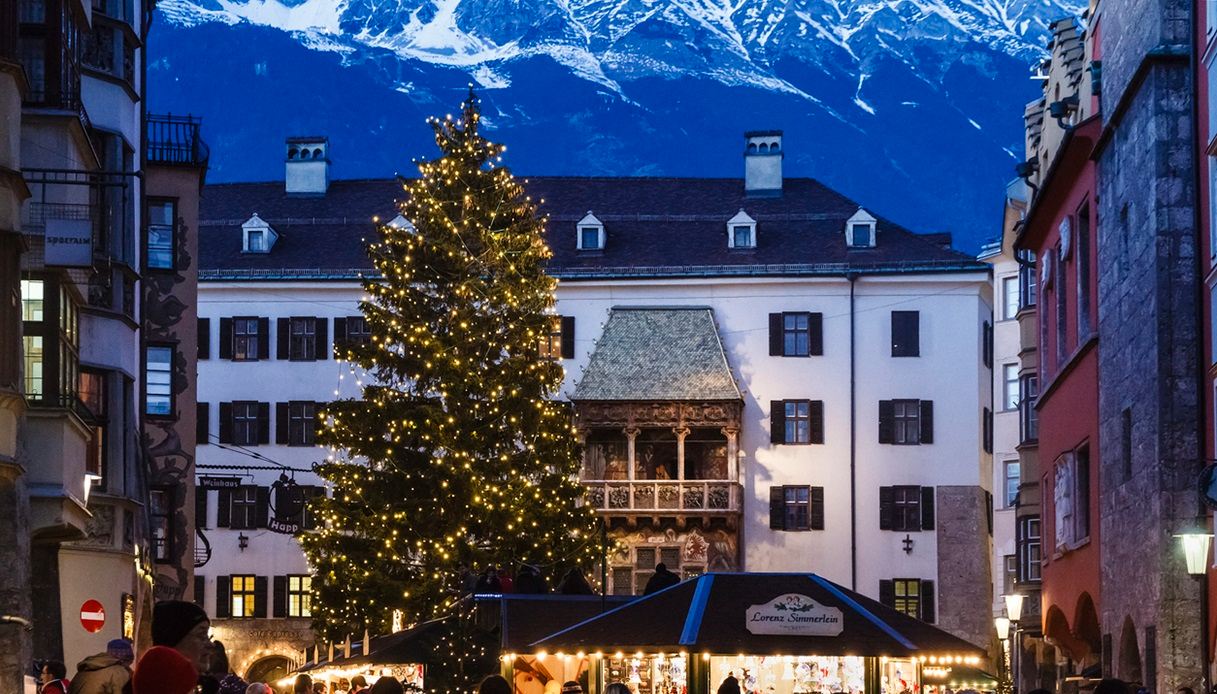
(949, 372)
(1005, 428)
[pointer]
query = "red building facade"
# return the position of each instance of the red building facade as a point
(1059, 231)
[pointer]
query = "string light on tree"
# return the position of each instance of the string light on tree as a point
(456, 452)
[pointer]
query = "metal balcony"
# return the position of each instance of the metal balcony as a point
(175, 141)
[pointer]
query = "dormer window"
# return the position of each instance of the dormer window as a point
(257, 236)
(741, 231)
(591, 233)
(402, 224)
(860, 230)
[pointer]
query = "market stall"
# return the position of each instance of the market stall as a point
(774, 633)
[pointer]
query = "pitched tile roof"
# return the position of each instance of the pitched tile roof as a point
(655, 227)
(658, 354)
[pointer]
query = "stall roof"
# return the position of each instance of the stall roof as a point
(794, 614)
(526, 618)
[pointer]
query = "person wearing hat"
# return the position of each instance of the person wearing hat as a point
(572, 687)
(180, 650)
(105, 673)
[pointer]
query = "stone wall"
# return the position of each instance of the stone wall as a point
(964, 597)
(1148, 322)
(15, 642)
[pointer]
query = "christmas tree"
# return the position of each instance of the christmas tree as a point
(456, 454)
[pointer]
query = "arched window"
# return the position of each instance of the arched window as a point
(292, 153)
(317, 153)
(773, 148)
(751, 148)
(304, 153)
(764, 148)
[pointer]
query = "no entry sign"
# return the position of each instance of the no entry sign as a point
(92, 616)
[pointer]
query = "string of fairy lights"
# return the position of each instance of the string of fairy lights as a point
(456, 455)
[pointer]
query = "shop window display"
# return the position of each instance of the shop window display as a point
(791, 674)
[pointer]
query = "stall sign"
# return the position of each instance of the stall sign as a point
(69, 242)
(795, 615)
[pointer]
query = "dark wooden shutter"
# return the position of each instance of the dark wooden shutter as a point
(281, 422)
(887, 505)
(887, 592)
(928, 600)
(264, 422)
(340, 331)
(777, 508)
(204, 338)
(927, 421)
(200, 509)
(262, 510)
(226, 338)
(927, 508)
(987, 430)
(224, 509)
(200, 590)
(989, 511)
(264, 338)
(776, 336)
(280, 597)
(887, 421)
(817, 508)
(282, 349)
(226, 422)
(260, 597)
(322, 338)
(202, 422)
(986, 344)
(906, 334)
(777, 421)
(815, 334)
(568, 337)
(816, 417)
(223, 597)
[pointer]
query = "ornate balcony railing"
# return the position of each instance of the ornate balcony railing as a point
(175, 141)
(689, 496)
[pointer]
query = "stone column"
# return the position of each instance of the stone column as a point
(681, 433)
(732, 434)
(631, 433)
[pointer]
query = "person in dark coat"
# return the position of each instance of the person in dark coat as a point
(574, 583)
(488, 582)
(729, 685)
(530, 581)
(661, 579)
(494, 684)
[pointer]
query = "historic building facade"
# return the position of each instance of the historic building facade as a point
(1112, 223)
(75, 383)
(763, 373)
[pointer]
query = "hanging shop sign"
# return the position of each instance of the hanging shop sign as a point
(219, 482)
(288, 506)
(69, 242)
(794, 614)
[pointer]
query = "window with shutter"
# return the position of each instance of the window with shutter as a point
(550, 343)
(299, 596)
(568, 337)
(777, 508)
(244, 423)
(928, 611)
(798, 421)
(906, 422)
(264, 338)
(906, 338)
(204, 334)
(798, 513)
(202, 422)
(243, 508)
(302, 338)
(906, 509)
(226, 338)
(224, 509)
(263, 422)
(226, 422)
(246, 338)
(200, 508)
(906, 596)
(817, 508)
(260, 596)
(223, 608)
(927, 508)
(279, 597)
(301, 423)
(200, 591)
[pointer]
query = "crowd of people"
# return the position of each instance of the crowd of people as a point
(183, 660)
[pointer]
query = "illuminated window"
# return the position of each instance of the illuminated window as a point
(242, 596)
(33, 366)
(161, 217)
(299, 600)
(32, 299)
(158, 381)
(907, 593)
(551, 341)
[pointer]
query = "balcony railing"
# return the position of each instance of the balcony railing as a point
(175, 141)
(696, 496)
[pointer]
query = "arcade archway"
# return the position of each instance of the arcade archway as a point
(270, 670)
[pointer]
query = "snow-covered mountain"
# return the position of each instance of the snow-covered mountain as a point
(911, 106)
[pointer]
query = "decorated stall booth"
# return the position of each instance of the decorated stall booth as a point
(773, 633)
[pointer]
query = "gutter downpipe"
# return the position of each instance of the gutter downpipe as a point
(1194, 56)
(852, 277)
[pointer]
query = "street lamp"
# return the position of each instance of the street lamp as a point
(1196, 556)
(1014, 610)
(1002, 624)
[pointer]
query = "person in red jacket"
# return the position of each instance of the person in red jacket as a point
(53, 677)
(181, 644)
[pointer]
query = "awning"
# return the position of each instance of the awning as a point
(526, 618)
(667, 353)
(761, 614)
(959, 677)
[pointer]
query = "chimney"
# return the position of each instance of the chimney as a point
(307, 171)
(763, 163)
